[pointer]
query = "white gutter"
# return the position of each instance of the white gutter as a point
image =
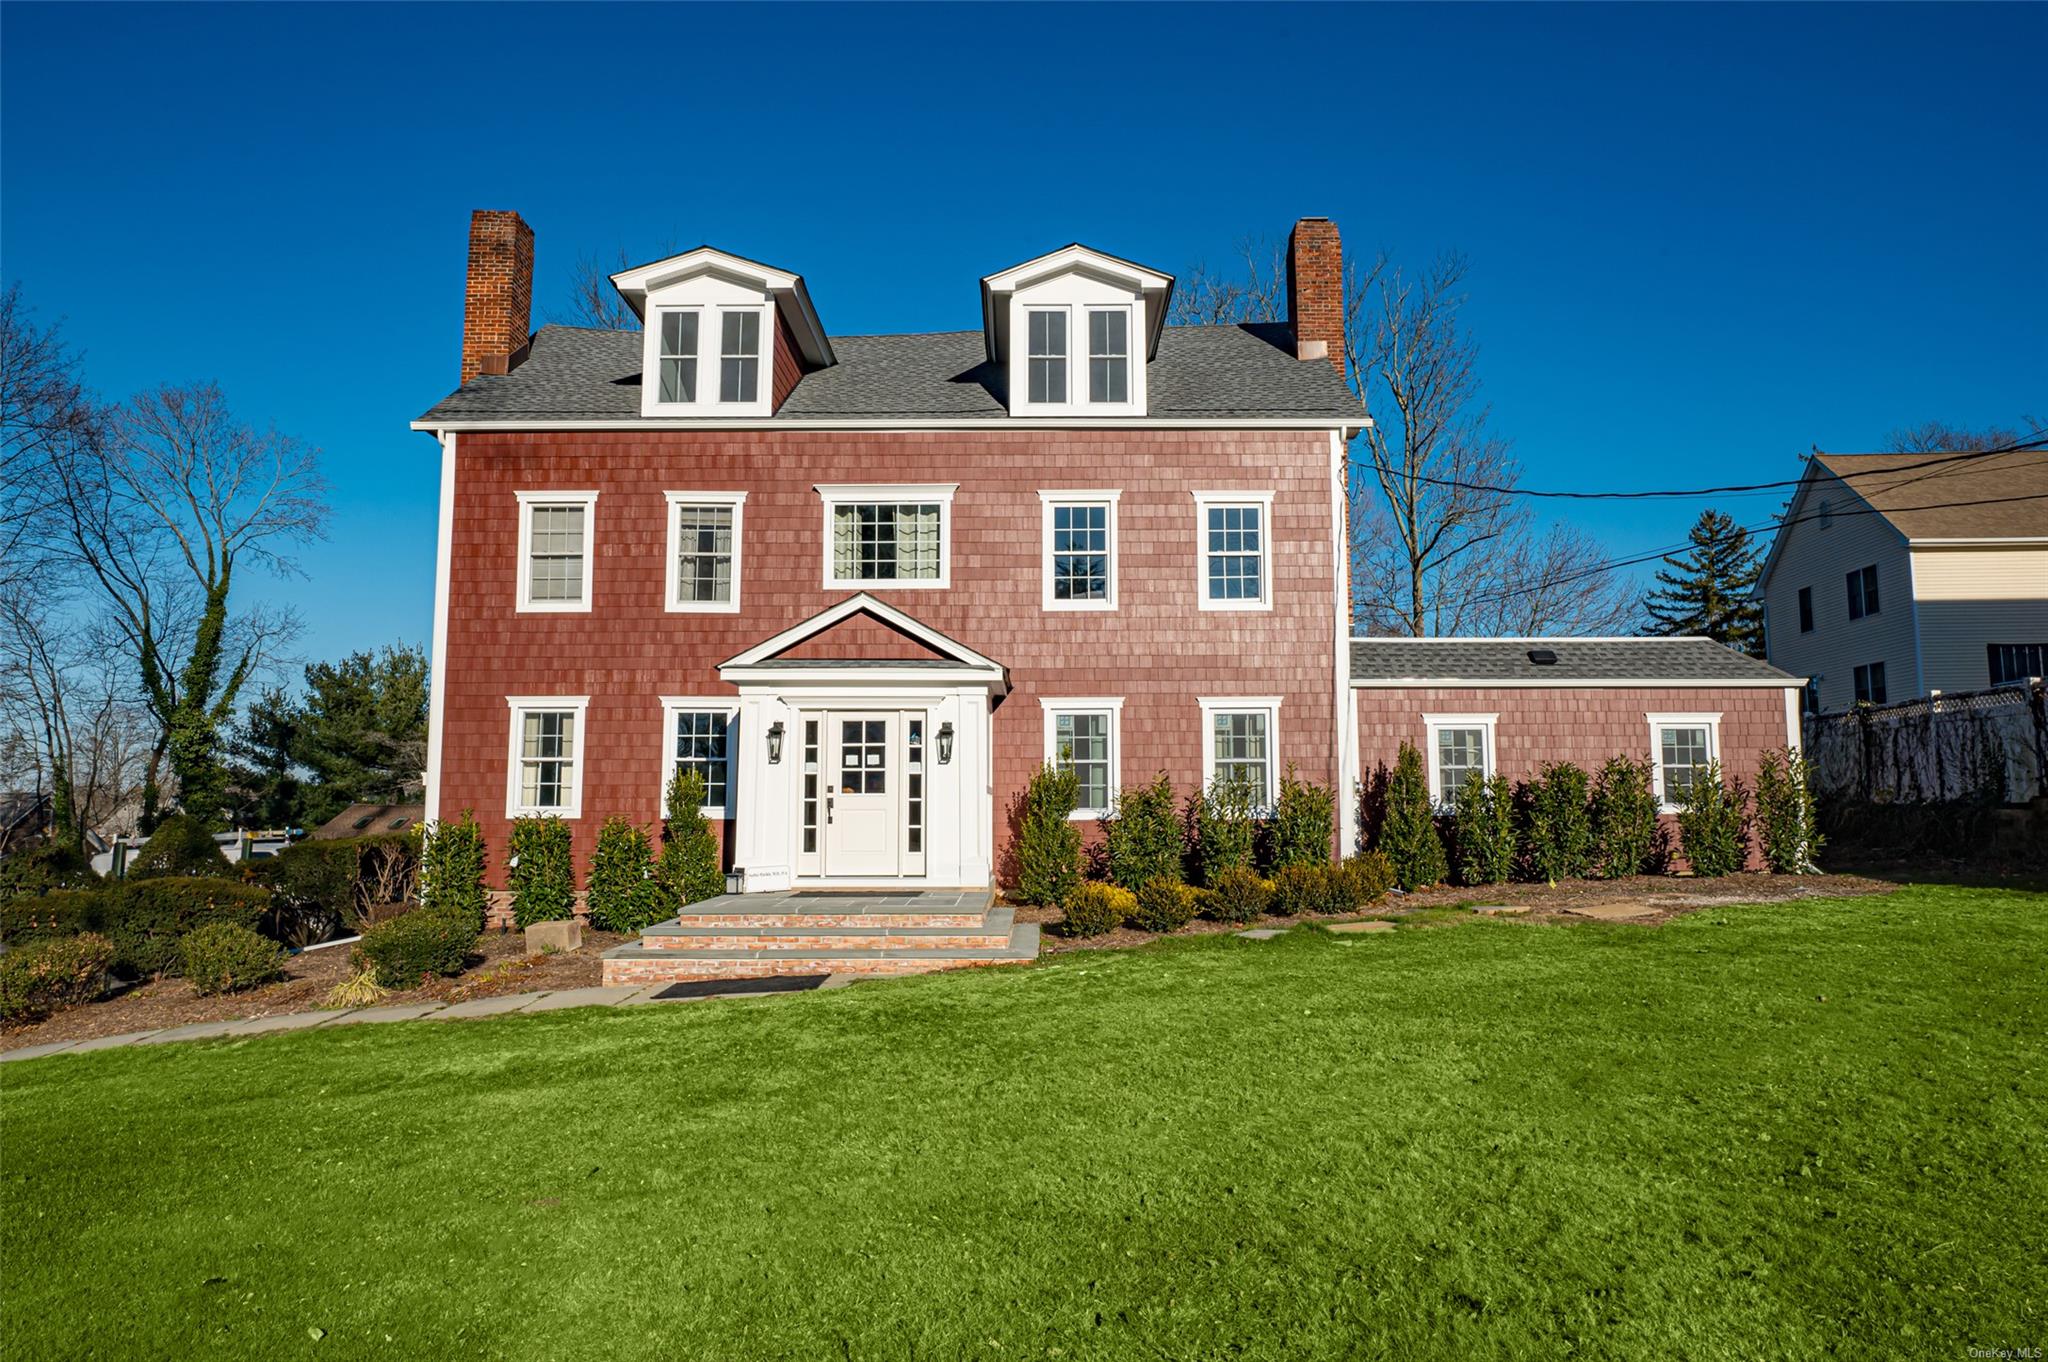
(884, 424)
(1578, 682)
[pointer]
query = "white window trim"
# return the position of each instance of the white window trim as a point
(1049, 499)
(671, 706)
(1431, 723)
(676, 501)
(521, 706)
(1024, 392)
(837, 494)
(1234, 704)
(710, 348)
(1133, 357)
(524, 567)
(1203, 502)
(1710, 722)
(1113, 706)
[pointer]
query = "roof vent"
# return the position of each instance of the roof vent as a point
(1543, 657)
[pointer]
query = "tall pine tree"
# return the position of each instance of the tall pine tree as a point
(1707, 589)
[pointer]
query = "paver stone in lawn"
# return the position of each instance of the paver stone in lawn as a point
(1262, 933)
(1500, 909)
(1625, 911)
(1349, 928)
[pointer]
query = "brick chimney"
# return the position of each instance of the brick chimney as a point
(497, 308)
(1315, 291)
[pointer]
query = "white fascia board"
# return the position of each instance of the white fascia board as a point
(1071, 258)
(2011, 541)
(1580, 683)
(761, 652)
(788, 290)
(531, 425)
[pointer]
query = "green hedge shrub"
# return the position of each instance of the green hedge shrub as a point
(148, 918)
(181, 845)
(1299, 890)
(1304, 821)
(1048, 843)
(1364, 879)
(1625, 832)
(1144, 839)
(451, 869)
(1408, 835)
(1713, 824)
(541, 871)
(1226, 828)
(44, 870)
(1786, 824)
(408, 948)
(43, 917)
(623, 894)
(1486, 830)
(1238, 895)
(221, 957)
(1092, 908)
(1561, 823)
(49, 976)
(334, 882)
(687, 869)
(1164, 905)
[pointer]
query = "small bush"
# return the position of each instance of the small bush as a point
(1408, 835)
(1164, 905)
(1144, 839)
(623, 894)
(50, 976)
(1365, 879)
(451, 869)
(1048, 843)
(1092, 909)
(406, 949)
(221, 957)
(1238, 895)
(148, 918)
(541, 871)
(1785, 817)
(1713, 824)
(42, 917)
(179, 846)
(44, 870)
(1303, 823)
(1226, 828)
(1561, 823)
(1304, 889)
(1624, 819)
(687, 869)
(1486, 830)
(325, 884)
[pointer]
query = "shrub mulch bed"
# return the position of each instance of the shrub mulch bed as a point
(500, 965)
(1668, 896)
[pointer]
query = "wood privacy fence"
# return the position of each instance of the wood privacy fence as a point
(1983, 746)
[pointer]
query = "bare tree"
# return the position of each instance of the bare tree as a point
(71, 725)
(155, 513)
(42, 406)
(1206, 298)
(593, 302)
(1938, 437)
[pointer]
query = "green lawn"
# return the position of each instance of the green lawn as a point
(1788, 1131)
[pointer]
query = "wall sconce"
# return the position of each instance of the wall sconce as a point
(775, 743)
(945, 743)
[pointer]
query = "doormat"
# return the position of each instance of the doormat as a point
(712, 988)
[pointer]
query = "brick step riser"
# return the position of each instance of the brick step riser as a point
(680, 971)
(799, 921)
(829, 941)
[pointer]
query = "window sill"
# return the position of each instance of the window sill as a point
(1090, 815)
(731, 607)
(1102, 607)
(1234, 607)
(553, 608)
(889, 584)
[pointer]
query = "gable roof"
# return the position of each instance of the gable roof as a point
(940, 652)
(1580, 662)
(1202, 373)
(1990, 496)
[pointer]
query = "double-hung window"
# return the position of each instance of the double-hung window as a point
(1109, 355)
(555, 550)
(678, 356)
(1239, 743)
(1863, 592)
(699, 736)
(1681, 747)
(1234, 550)
(898, 535)
(1046, 359)
(545, 774)
(1805, 609)
(1869, 682)
(1460, 748)
(1083, 736)
(2012, 663)
(739, 356)
(704, 550)
(706, 359)
(1079, 535)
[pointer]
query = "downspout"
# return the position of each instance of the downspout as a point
(437, 678)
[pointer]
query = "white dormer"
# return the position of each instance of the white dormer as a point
(1072, 331)
(709, 333)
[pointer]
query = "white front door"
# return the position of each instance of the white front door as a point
(863, 801)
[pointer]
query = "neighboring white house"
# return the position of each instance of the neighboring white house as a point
(1898, 574)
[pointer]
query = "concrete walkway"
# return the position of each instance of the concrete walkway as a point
(623, 996)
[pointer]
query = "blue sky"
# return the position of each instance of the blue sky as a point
(1701, 238)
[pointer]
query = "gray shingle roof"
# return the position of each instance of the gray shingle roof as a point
(1201, 372)
(1645, 660)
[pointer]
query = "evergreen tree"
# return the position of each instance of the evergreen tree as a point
(357, 734)
(1408, 836)
(1706, 590)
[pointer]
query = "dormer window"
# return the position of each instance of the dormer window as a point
(739, 357)
(1109, 355)
(1048, 358)
(1071, 332)
(679, 356)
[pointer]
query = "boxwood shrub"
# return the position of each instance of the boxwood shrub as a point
(1238, 895)
(409, 948)
(40, 917)
(222, 957)
(49, 976)
(1365, 879)
(148, 918)
(1092, 909)
(1164, 905)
